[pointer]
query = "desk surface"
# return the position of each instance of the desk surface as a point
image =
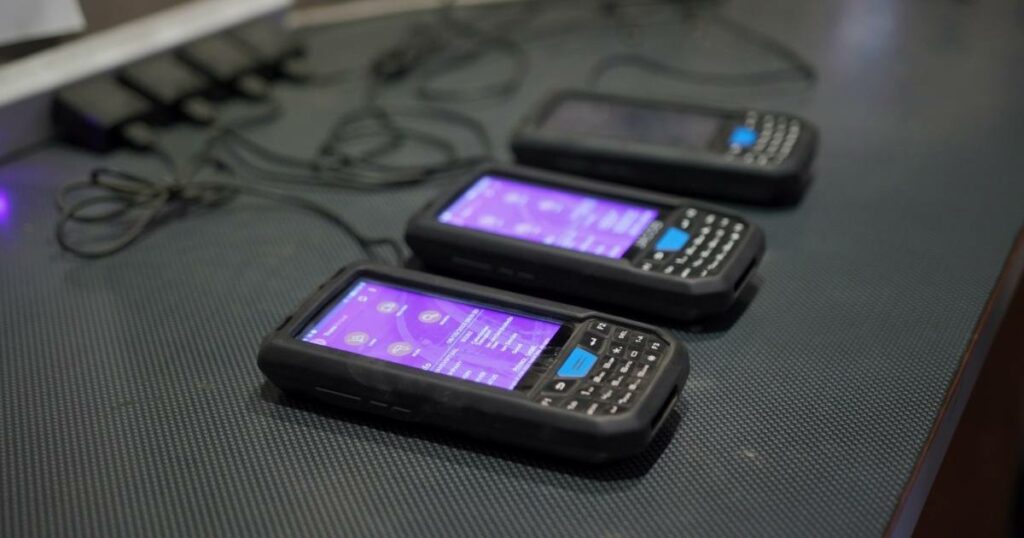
(132, 404)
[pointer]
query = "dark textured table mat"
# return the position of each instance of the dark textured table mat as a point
(132, 404)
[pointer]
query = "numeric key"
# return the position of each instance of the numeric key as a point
(574, 404)
(548, 401)
(559, 386)
(592, 342)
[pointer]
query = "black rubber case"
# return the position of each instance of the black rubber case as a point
(507, 416)
(692, 172)
(547, 270)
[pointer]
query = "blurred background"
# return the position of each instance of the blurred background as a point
(96, 15)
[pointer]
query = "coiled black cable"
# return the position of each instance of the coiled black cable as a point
(133, 203)
(796, 68)
(473, 44)
(336, 164)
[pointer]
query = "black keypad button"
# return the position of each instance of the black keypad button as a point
(626, 398)
(548, 401)
(634, 353)
(574, 404)
(605, 395)
(646, 266)
(655, 346)
(611, 410)
(626, 367)
(617, 349)
(617, 381)
(606, 363)
(620, 335)
(634, 384)
(559, 386)
(592, 342)
(600, 377)
(601, 327)
(643, 371)
(649, 357)
(638, 339)
(587, 391)
(592, 408)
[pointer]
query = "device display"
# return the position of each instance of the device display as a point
(591, 242)
(432, 333)
(494, 364)
(620, 121)
(744, 155)
(541, 214)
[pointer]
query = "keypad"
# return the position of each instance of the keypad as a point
(777, 135)
(712, 240)
(606, 371)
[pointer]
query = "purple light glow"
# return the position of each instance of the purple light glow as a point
(5, 206)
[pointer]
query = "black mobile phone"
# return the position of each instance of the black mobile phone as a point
(735, 154)
(493, 364)
(592, 242)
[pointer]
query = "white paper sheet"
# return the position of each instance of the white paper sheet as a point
(22, 20)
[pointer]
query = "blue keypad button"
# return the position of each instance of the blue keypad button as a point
(673, 239)
(743, 137)
(578, 364)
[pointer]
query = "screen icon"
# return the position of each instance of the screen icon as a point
(400, 349)
(357, 338)
(430, 316)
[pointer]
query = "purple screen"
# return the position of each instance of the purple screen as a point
(550, 216)
(432, 333)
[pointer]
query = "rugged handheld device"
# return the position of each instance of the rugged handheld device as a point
(596, 242)
(745, 155)
(493, 364)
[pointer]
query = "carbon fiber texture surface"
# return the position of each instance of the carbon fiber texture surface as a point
(131, 403)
